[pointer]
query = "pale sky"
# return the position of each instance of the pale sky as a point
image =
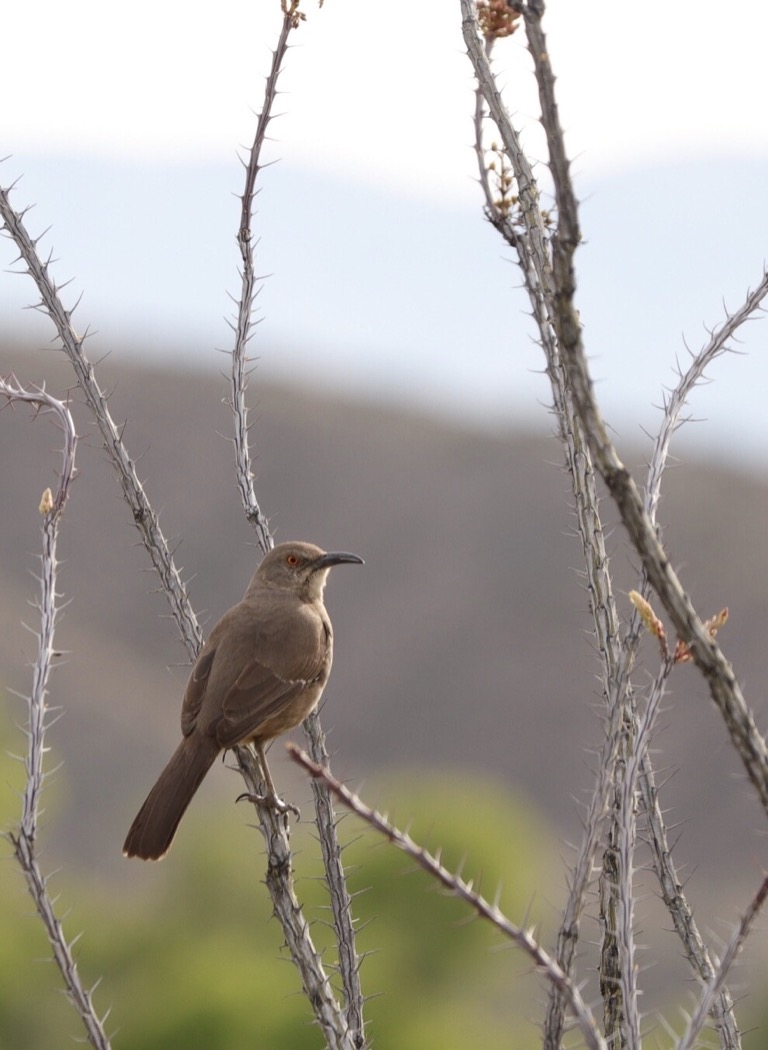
(376, 90)
(125, 121)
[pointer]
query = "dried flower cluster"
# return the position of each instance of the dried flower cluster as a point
(496, 19)
(654, 626)
(683, 653)
(500, 169)
(290, 9)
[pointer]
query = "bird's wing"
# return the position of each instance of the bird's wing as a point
(259, 694)
(272, 679)
(194, 694)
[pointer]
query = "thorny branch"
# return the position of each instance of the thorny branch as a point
(144, 517)
(288, 910)
(526, 227)
(464, 890)
(677, 905)
(24, 840)
(672, 891)
(248, 292)
(717, 344)
(546, 257)
(715, 986)
(350, 1026)
(724, 688)
(341, 900)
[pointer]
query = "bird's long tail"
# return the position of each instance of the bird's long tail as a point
(155, 825)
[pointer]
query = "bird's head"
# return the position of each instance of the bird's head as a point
(300, 567)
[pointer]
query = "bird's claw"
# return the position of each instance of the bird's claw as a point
(282, 806)
(274, 801)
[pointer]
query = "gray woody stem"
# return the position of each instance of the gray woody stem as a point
(532, 243)
(547, 290)
(144, 517)
(715, 986)
(288, 910)
(24, 840)
(724, 688)
(346, 1030)
(464, 890)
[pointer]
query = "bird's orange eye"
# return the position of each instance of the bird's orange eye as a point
(292, 559)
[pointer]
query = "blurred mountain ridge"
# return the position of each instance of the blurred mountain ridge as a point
(464, 643)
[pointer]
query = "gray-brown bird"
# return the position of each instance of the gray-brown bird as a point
(261, 672)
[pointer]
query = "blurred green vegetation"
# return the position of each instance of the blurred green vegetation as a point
(195, 960)
(188, 954)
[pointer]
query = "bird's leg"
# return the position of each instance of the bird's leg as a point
(271, 798)
(262, 756)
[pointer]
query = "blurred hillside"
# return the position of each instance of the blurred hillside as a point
(463, 645)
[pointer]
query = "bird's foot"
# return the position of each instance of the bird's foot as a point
(271, 800)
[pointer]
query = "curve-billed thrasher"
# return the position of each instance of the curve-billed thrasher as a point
(261, 672)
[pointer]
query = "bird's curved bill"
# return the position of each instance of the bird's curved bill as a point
(325, 561)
